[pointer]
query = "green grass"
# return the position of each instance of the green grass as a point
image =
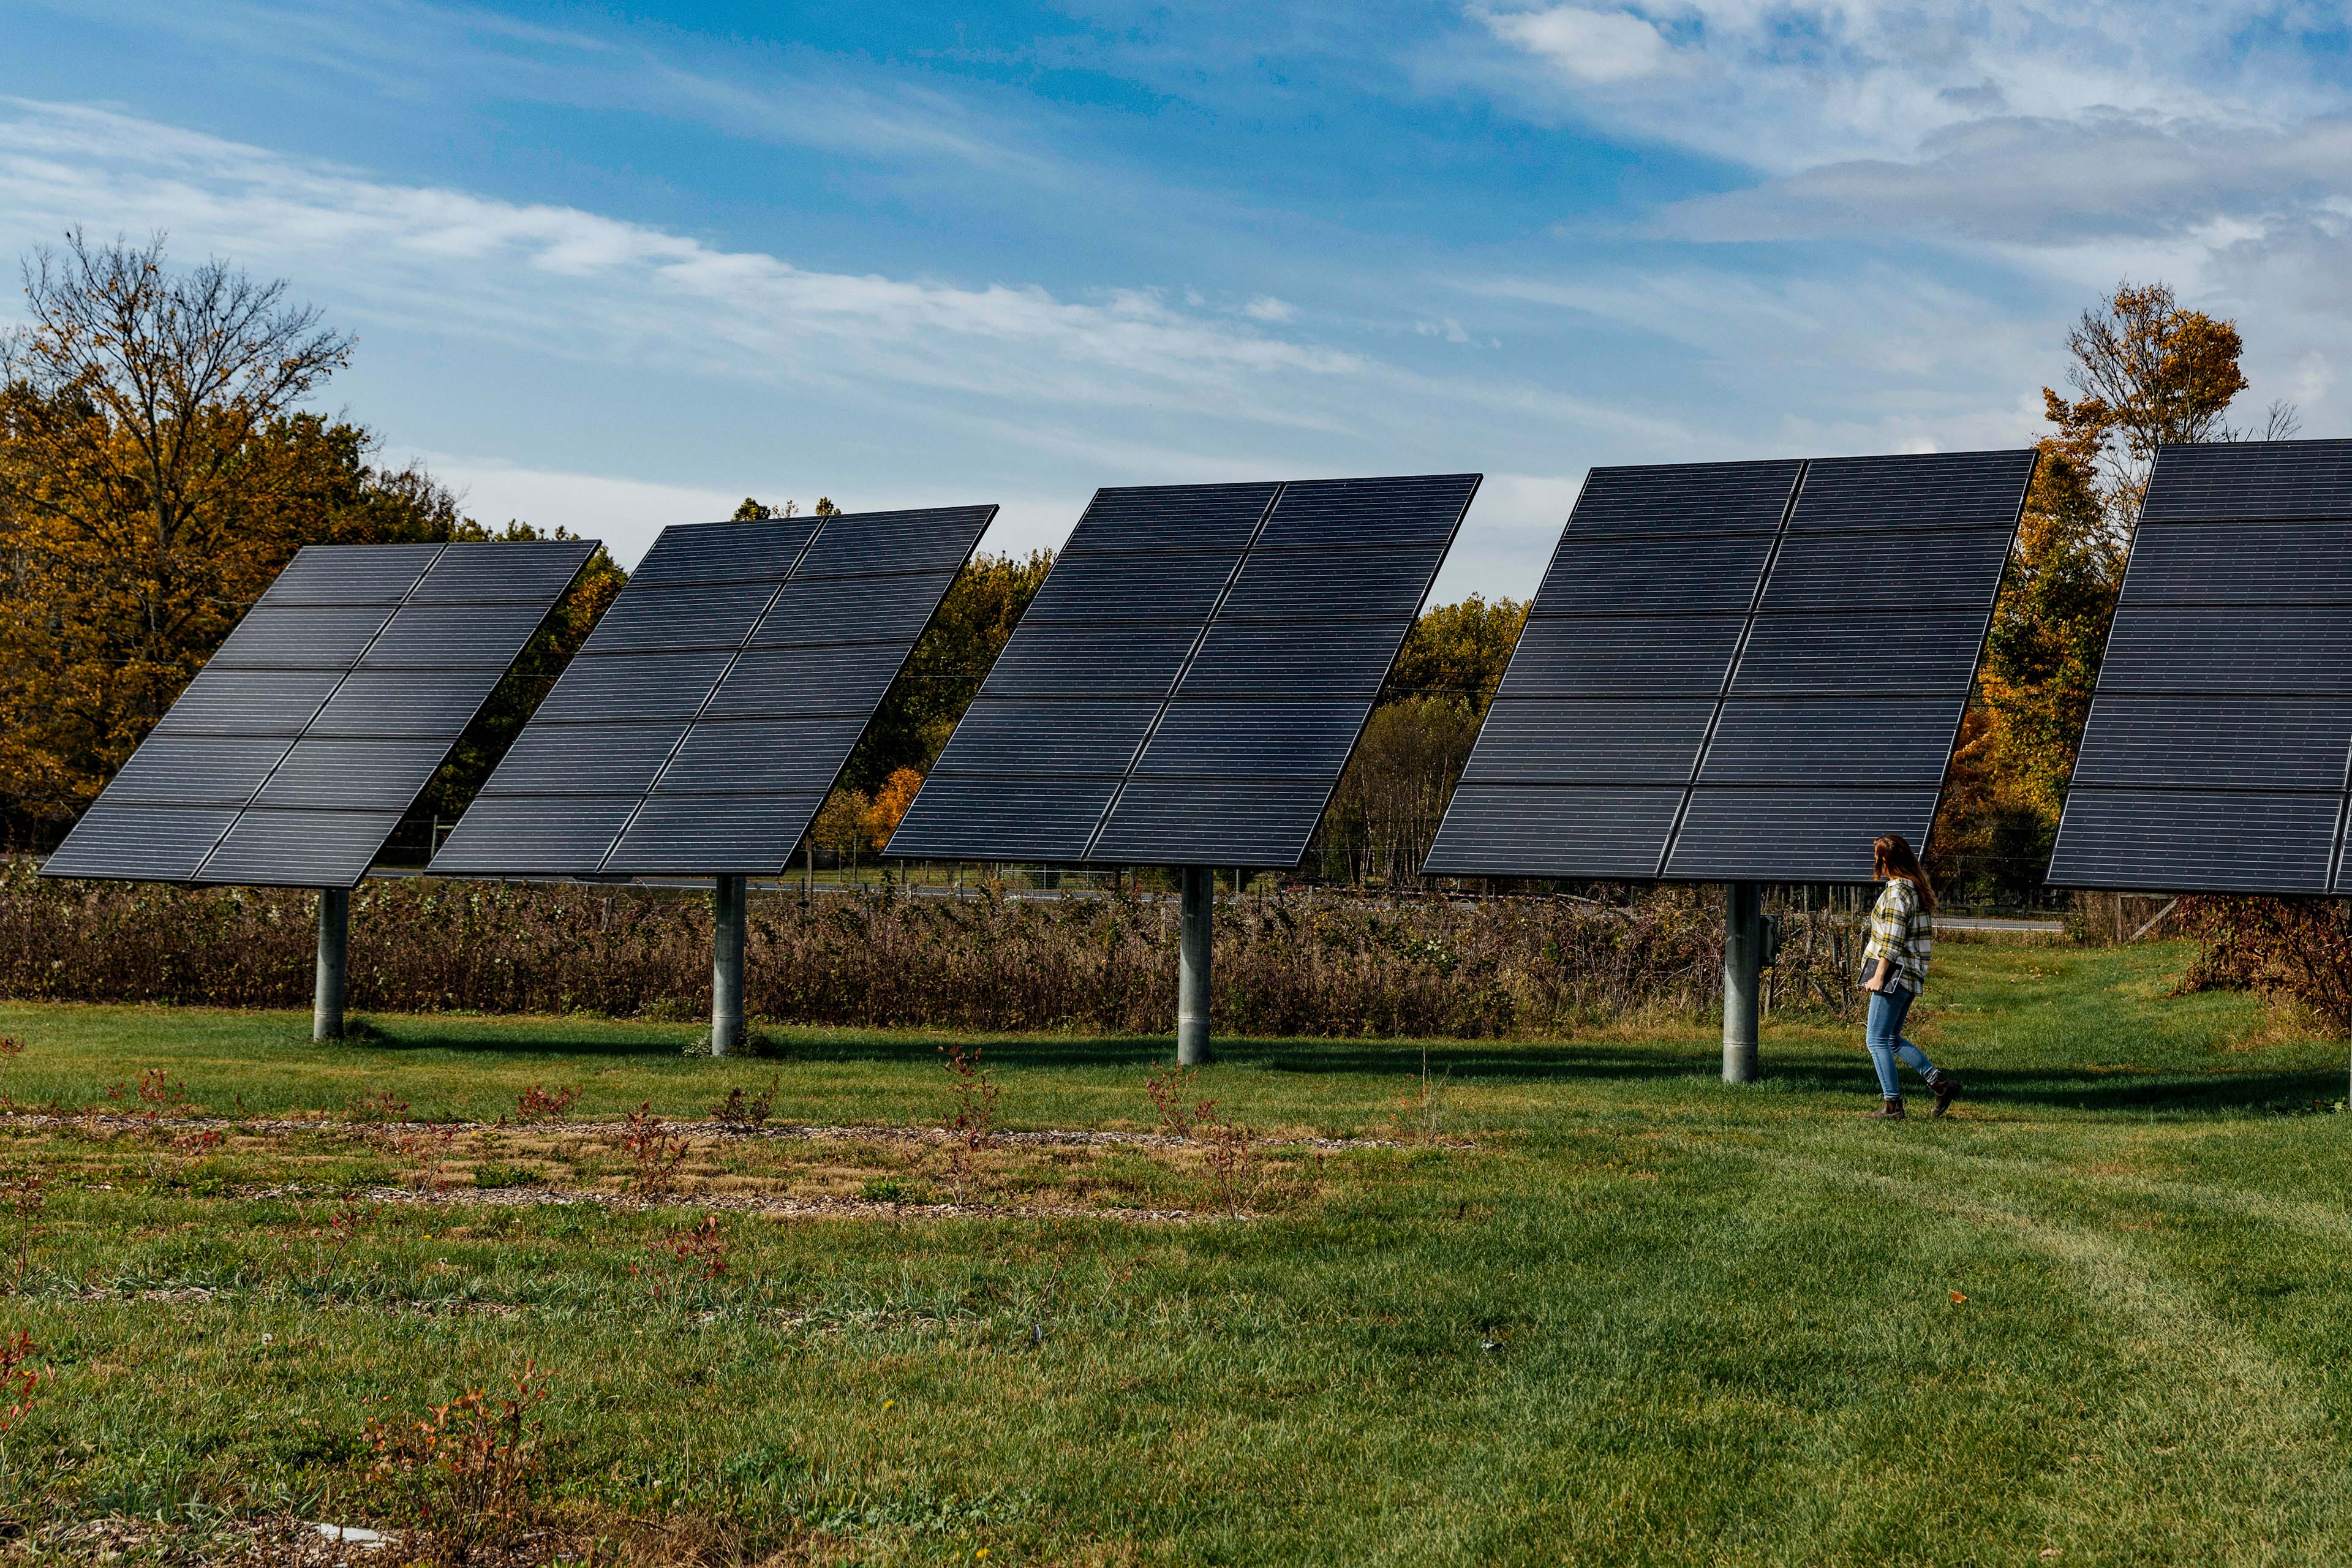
(1725, 1321)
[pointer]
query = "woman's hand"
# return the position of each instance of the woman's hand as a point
(1879, 973)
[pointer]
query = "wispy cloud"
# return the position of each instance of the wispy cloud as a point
(556, 277)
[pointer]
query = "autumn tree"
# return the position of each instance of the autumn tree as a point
(2145, 372)
(949, 662)
(1457, 651)
(156, 472)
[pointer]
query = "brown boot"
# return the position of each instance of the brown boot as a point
(1891, 1111)
(1947, 1090)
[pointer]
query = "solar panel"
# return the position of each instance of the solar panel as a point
(293, 755)
(1739, 671)
(1187, 686)
(2220, 736)
(702, 725)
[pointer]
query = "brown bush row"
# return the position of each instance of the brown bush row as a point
(1286, 965)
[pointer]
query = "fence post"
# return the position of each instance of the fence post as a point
(1193, 948)
(1743, 968)
(334, 963)
(726, 897)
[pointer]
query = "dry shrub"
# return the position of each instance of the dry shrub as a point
(2301, 948)
(655, 1150)
(1286, 965)
(1171, 1092)
(465, 1473)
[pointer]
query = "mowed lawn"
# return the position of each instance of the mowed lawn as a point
(1614, 1312)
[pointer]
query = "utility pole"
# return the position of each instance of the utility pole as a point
(1743, 976)
(334, 963)
(727, 896)
(1193, 944)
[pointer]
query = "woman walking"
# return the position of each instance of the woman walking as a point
(1894, 970)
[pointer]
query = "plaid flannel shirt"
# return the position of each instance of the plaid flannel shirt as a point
(1901, 929)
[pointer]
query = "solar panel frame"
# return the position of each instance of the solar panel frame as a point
(1246, 629)
(1872, 723)
(2217, 755)
(291, 757)
(735, 707)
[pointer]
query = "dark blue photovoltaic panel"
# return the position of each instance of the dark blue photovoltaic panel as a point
(1724, 658)
(1834, 741)
(300, 637)
(326, 774)
(1684, 498)
(1279, 739)
(1555, 830)
(1594, 740)
(1066, 737)
(1655, 574)
(2250, 481)
(1171, 517)
(2216, 742)
(382, 574)
(2220, 742)
(1195, 673)
(2223, 841)
(1173, 586)
(1894, 495)
(1622, 656)
(293, 755)
(180, 767)
(711, 616)
(2252, 647)
(704, 724)
(1793, 833)
(1021, 816)
(766, 551)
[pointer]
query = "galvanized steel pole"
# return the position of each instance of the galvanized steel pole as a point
(1192, 964)
(334, 963)
(1743, 977)
(727, 895)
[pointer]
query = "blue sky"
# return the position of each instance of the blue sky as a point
(617, 268)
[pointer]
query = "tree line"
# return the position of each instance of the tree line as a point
(158, 466)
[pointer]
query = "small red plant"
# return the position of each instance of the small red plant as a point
(11, 1048)
(535, 1105)
(467, 1470)
(739, 1110)
(696, 1254)
(1232, 1163)
(973, 1124)
(427, 1150)
(23, 1196)
(655, 1149)
(1170, 1089)
(20, 1383)
(380, 1107)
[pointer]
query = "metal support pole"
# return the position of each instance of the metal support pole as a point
(334, 963)
(1743, 974)
(1192, 964)
(726, 965)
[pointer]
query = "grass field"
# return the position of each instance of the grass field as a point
(1612, 1312)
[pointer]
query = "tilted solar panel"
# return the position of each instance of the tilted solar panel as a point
(703, 724)
(1739, 671)
(1188, 684)
(2219, 737)
(294, 753)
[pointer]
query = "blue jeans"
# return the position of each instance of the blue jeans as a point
(1884, 1036)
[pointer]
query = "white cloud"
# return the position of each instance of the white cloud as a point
(1266, 308)
(1590, 45)
(554, 278)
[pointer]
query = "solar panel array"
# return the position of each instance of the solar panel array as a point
(1741, 671)
(705, 720)
(294, 753)
(1187, 686)
(2220, 733)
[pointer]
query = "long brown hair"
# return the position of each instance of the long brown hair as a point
(1890, 857)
